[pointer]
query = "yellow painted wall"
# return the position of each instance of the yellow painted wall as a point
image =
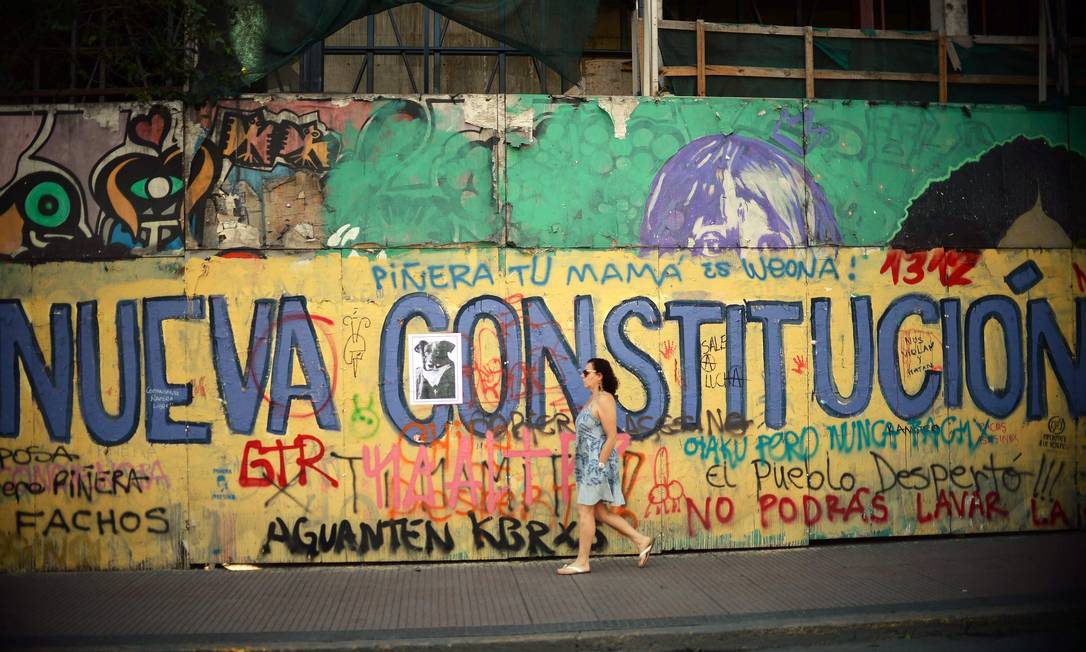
(509, 493)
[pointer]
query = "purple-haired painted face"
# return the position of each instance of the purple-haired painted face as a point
(722, 192)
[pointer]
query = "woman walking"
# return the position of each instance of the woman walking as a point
(599, 478)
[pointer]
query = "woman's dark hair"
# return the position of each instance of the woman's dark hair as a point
(610, 381)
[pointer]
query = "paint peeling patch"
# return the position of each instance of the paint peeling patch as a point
(237, 234)
(232, 217)
(293, 216)
(233, 232)
(301, 236)
(108, 116)
(522, 124)
(481, 111)
(620, 109)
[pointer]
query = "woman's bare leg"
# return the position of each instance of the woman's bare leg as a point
(623, 526)
(586, 534)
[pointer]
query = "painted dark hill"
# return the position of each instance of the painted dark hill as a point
(975, 206)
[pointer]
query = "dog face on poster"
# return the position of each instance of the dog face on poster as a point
(435, 362)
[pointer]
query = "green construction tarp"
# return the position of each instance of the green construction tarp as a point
(267, 34)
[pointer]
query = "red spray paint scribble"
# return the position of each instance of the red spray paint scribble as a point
(665, 493)
(276, 474)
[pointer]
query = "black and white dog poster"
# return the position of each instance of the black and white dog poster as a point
(435, 363)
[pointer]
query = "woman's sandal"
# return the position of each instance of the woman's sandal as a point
(570, 569)
(643, 556)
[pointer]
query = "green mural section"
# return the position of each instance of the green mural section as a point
(581, 184)
(584, 182)
(413, 173)
(706, 175)
(874, 160)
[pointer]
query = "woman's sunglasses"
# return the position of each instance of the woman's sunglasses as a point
(585, 372)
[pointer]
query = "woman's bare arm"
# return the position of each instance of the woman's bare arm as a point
(605, 409)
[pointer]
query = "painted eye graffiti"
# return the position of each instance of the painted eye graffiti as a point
(47, 204)
(40, 214)
(43, 200)
(156, 187)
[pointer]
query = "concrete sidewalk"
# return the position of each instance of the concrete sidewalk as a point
(732, 599)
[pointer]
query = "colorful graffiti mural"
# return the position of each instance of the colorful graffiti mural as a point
(81, 186)
(139, 187)
(316, 174)
(531, 171)
(1037, 205)
(872, 163)
(780, 379)
(724, 192)
(176, 404)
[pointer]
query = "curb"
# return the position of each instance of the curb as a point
(748, 632)
(762, 633)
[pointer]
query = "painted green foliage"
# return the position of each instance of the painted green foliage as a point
(412, 174)
(578, 184)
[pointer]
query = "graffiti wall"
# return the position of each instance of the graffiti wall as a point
(341, 174)
(90, 184)
(360, 334)
(533, 171)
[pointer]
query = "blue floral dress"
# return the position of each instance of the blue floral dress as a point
(593, 483)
